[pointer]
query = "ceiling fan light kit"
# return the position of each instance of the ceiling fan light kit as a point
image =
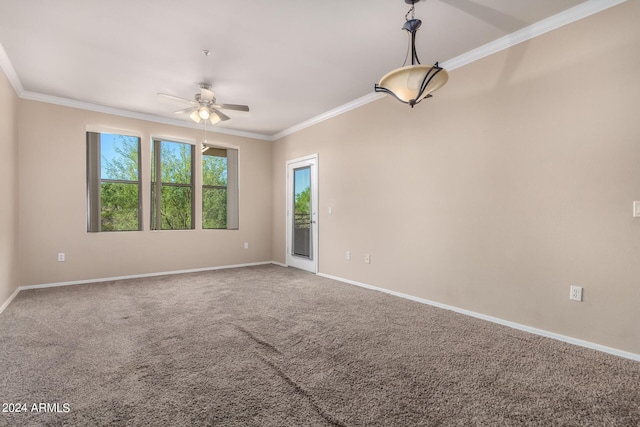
(204, 105)
(203, 113)
(412, 83)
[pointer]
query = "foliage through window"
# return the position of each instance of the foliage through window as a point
(172, 198)
(113, 182)
(219, 188)
(214, 188)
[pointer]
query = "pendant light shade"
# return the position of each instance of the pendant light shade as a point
(412, 83)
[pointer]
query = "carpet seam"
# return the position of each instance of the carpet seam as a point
(328, 417)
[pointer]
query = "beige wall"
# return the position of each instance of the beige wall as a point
(514, 182)
(8, 189)
(52, 160)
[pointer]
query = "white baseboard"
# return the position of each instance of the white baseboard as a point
(8, 301)
(137, 276)
(541, 332)
(134, 276)
(536, 331)
(279, 264)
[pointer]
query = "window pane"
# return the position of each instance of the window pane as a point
(171, 196)
(176, 162)
(175, 208)
(214, 208)
(119, 157)
(119, 204)
(219, 188)
(214, 169)
(113, 186)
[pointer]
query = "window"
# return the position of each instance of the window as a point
(219, 188)
(172, 201)
(113, 182)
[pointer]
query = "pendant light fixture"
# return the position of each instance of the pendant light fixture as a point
(411, 84)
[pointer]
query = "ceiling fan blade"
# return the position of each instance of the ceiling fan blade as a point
(206, 94)
(177, 98)
(234, 107)
(186, 110)
(220, 114)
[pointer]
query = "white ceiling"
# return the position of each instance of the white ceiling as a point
(289, 60)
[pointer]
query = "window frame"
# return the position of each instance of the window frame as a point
(157, 184)
(232, 188)
(95, 180)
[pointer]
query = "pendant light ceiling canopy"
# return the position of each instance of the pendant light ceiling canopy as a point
(411, 84)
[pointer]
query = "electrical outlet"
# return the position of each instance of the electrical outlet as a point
(367, 259)
(575, 293)
(61, 257)
(348, 255)
(246, 245)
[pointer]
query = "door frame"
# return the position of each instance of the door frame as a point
(290, 260)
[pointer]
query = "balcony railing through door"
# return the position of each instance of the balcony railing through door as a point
(302, 230)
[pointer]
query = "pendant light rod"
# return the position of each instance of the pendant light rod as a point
(412, 26)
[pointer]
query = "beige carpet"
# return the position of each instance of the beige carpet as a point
(271, 346)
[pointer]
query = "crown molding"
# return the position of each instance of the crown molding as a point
(10, 72)
(539, 28)
(66, 102)
(12, 76)
(329, 114)
(561, 19)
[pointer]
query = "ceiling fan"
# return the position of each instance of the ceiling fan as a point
(204, 106)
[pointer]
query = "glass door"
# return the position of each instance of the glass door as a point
(302, 224)
(302, 236)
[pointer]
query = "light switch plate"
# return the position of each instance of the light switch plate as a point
(636, 209)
